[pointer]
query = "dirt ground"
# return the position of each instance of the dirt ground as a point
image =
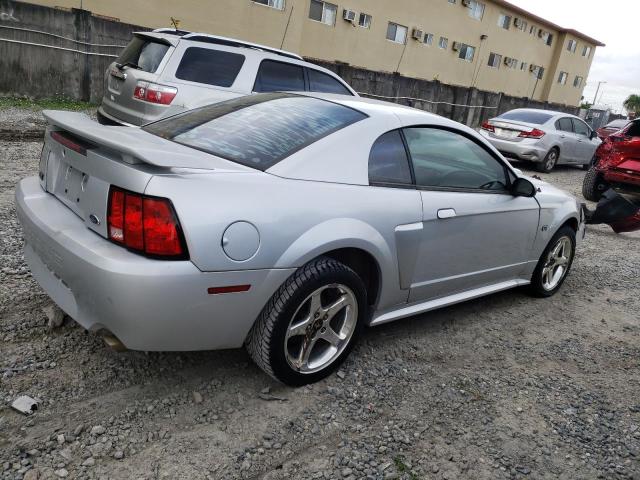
(506, 386)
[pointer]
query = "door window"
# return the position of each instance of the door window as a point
(446, 159)
(279, 77)
(580, 127)
(565, 125)
(321, 82)
(213, 67)
(388, 162)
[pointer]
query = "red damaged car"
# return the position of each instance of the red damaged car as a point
(616, 164)
(614, 180)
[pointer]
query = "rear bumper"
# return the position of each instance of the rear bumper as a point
(148, 304)
(524, 150)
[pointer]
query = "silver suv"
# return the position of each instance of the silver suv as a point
(165, 72)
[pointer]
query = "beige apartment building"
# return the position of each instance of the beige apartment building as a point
(490, 44)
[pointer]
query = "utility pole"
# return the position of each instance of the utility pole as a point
(595, 97)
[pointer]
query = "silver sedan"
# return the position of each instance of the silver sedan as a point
(284, 222)
(544, 137)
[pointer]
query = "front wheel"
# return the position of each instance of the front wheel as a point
(554, 264)
(310, 324)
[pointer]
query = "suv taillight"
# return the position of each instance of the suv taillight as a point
(145, 224)
(154, 93)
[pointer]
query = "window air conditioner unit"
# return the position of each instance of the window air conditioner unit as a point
(456, 46)
(466, 3)
(349, 15)
(517, 22)
(532, 68)
(417, 34)
(507, 60)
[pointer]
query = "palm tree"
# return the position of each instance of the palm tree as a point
(632, 104)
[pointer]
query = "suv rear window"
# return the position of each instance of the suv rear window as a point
(321, 82)
(258, 130)
(537, 118)
(144, 54)
(213, 67)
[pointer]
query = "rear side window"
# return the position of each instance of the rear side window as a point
(257, 130)
(537, 118)
(144, 54)
(565, 125)
(388, 162)
(279, 77)
(321, 82)
(213, 67)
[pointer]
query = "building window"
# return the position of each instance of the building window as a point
(533, 30)
(571, 46)
(547, 38)
(452, 1)
(476, 9)
(523, 65)
(428, 39)
(537, 71)
(364, 20)
(504, 21)
(586, 51)
(443, 42)
(466, 52)
(520, 24)
(277, 4)
(577, 82)
(396, 33)
(562, 78)
(494, 60)
(323, 12)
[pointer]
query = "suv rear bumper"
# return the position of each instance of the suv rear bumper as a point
(148, 304)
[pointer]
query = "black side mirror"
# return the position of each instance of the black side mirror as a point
(523, 188)
(593, 134)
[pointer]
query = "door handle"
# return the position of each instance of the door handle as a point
(446, 213)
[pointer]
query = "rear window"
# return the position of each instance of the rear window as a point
(144, 54)
(618, 124)
(537, 118)
(258, 130)
(279, 77)
(321, 82)
(213, 67)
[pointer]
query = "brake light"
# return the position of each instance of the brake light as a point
(154, 93)
(487, 126)
(145, 224)
(72, 143)
(535, 133)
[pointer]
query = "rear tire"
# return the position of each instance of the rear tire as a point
(554, 264)
(549, 162)
(593, 185)
(298, 339)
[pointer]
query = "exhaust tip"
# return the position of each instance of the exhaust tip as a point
(113, 342)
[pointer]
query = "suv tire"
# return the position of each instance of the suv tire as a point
(593, 185)
(298, 338)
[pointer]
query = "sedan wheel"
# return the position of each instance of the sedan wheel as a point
(549, 161)
(310, 324)
(554, 264)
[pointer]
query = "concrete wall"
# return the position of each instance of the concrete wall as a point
(68, 58)
(86, 45)
(292, 29)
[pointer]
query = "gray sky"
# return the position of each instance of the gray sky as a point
(614, 23)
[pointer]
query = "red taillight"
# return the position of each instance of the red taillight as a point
(71, 142)
(144, 224)
(487, 126)
(535, 133)
(154, 93)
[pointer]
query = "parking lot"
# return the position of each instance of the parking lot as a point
(506, 386)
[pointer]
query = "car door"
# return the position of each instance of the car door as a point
(566, 140)
(585, 145)
(474, 231)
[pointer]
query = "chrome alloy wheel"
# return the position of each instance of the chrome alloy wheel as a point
(550, 161)
(557, 263)
(321, 328)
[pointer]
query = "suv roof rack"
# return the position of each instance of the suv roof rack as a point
(230, 42)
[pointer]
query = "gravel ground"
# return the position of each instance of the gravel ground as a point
(502, 387)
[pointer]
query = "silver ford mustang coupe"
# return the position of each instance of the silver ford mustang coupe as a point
(284, 222)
